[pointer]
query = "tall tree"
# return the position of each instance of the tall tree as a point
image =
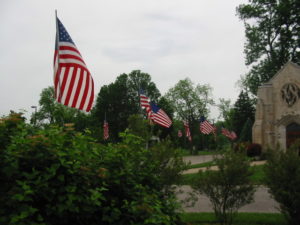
(243, 111)
(272, 38)
(190, 101)
(51, 112)
(115, 102)
(120, 99)
(138, 80)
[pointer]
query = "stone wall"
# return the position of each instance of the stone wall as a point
(277, 106)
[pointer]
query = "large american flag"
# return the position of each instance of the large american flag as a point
(187, 130)
(159, 116)
(206, 127)
(74, 85)
(145, 103)
(105, 130)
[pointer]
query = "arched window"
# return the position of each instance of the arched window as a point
(292, 133)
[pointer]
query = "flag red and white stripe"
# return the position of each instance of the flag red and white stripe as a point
(206, 127)
(187, 130)
(145, 103)
(159, 117)
(73, 83)
(233, 135)
(230, 134)
(105, 130)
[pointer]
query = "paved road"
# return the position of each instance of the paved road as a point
(198, 158)
(262, 202)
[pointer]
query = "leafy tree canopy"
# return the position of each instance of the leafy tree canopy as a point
(272, 38)
(51, 112)
(190, 101)
(243, 110)
(119, 100)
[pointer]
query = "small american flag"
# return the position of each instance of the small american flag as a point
(228, 134)
(159, 116)
(206, 127)
(105, 130)
(74, 85)
(145, 103)
(187, 130)
(233, 135)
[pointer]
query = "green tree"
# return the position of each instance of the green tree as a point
(283, 179)
(228, 188)
(57, 176)
(190, 101)
(246, 132)
(224, 108)
(52, 112)
(272, 38)
(243, 110)
(120, 99)
(138, 80)
(139, 127)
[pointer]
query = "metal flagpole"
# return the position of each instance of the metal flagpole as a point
(58, 64)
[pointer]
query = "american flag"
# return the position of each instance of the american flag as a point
(145, 103)
(233, 135)
(228, 133)
(187, 130)
(159, 116)
(206, 127)
(74, 85)
(105, 130)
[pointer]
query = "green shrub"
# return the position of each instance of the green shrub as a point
(58, 177)
(228, 188)
(283, 178)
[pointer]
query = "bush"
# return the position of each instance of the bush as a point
(283, 179)
(228, 188)
(253, 150)
(241, 147)
(58, 176)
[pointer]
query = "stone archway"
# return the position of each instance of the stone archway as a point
(292, 133)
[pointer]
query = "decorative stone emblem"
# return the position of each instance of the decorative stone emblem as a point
(290, 93)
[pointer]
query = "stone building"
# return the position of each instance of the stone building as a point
(277, 117)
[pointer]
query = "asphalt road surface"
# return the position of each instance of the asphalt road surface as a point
(262, 202)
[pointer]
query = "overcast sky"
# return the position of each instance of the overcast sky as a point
(168, 39)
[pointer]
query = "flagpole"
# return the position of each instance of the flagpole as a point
(58, 64)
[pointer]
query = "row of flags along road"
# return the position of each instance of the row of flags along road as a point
(74, 87)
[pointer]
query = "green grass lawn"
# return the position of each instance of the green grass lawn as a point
(241, 219)
(187, 152)
(256, 178)
(201, 165)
